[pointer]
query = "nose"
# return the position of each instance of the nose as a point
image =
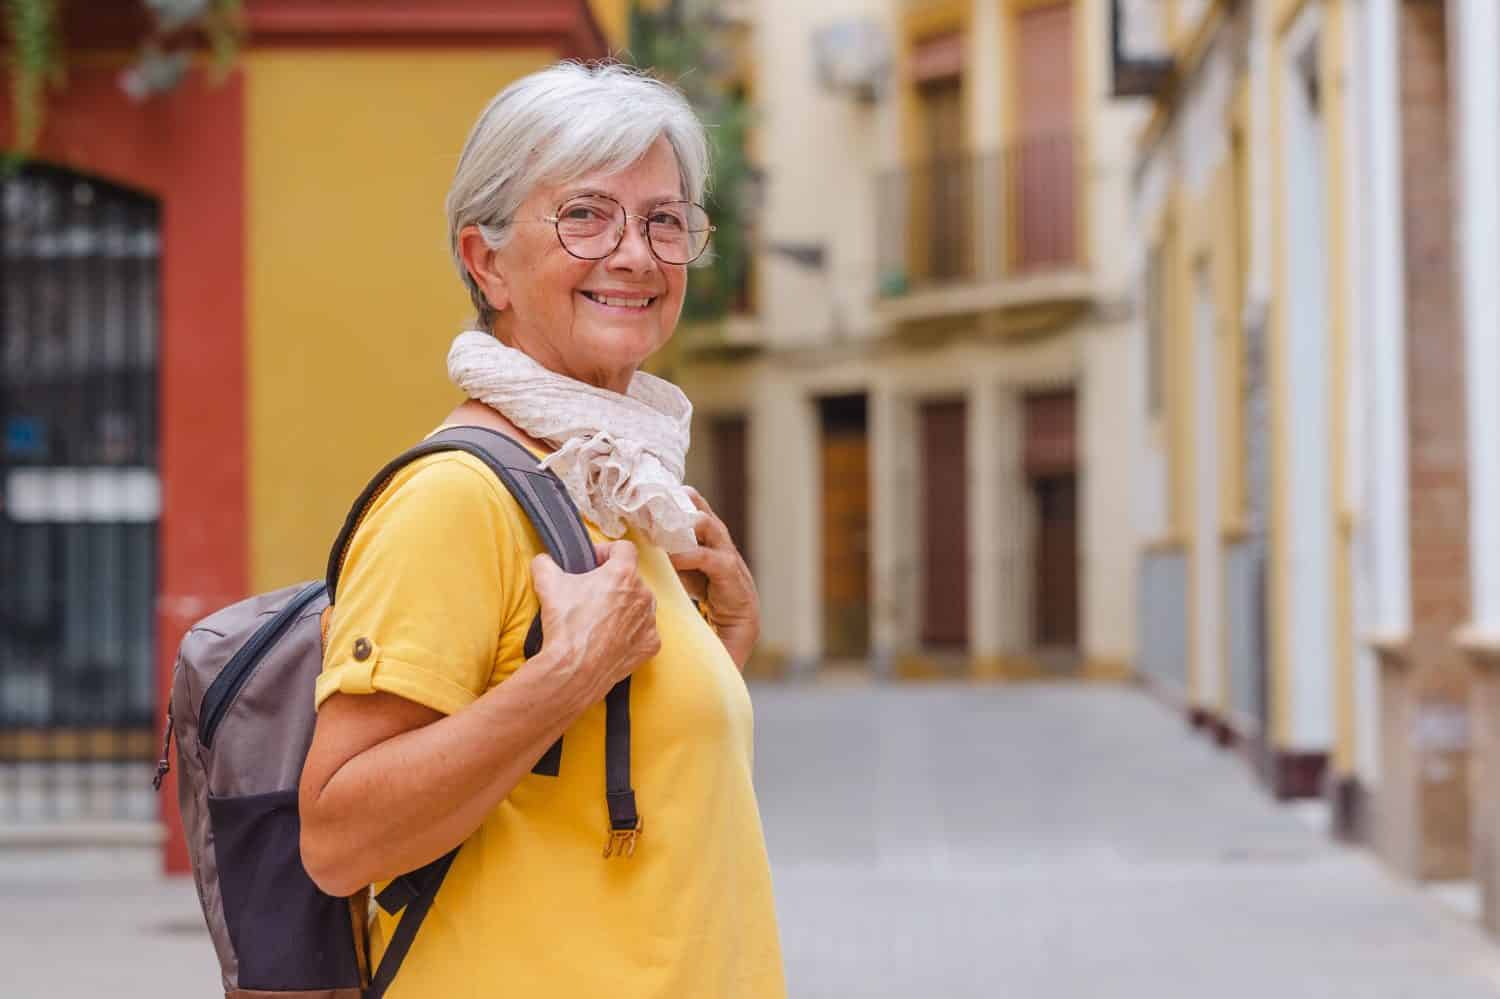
(634, 252)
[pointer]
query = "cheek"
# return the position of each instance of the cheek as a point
(677, 285)
(561, 279)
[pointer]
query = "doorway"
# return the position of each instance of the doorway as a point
(730, 437)
(845, 459)
(1052, 476)
(945, 526)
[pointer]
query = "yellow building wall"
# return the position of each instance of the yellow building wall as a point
(614, 20)
(1335, 74)
(351, 294)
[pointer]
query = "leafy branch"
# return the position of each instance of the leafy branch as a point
(684, 44)
(37, 58)
(36, 62)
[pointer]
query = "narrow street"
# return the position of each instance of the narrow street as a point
(1069, 843)
(1061, 842)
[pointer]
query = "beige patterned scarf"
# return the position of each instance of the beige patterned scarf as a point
(621, 456)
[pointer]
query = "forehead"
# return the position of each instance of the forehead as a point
(652, 178)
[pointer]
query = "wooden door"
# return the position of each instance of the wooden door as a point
(846, 528)
(1044, 176)
(945, 525)
(1056, 591)
(1051, 463)
(730, 441)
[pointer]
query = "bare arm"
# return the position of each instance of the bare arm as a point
(390, 785)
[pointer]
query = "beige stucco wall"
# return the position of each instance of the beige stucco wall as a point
(821, 154)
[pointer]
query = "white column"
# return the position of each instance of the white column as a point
(785, 467)
(1015, 524)
(985, 530)
(1308, 545)
(1359, 462)
(1262, 186)
(1385, 326)
(1207, 561)
(1112, 466)
(1475, 37)
(984, 82)
(893, 526)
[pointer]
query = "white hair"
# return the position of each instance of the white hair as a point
(558, 124)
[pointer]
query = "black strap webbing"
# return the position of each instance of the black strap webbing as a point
(552, 512)
(406, 930)
(617, 746)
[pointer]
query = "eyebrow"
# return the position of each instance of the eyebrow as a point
(652, 202)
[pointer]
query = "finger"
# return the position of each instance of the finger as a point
(715, 564)
(693, 558)
(710, 531)
(695, 583)
(601, 552)
(623, 556)
(708, 528)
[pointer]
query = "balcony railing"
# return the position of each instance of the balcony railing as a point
(981, 218)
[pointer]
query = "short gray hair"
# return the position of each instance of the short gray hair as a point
(557, 124)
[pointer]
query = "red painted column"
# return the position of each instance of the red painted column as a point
(204, 536)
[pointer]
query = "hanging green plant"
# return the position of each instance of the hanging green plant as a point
(37, 62)
(684, 43)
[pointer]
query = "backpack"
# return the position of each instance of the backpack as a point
(242, 710)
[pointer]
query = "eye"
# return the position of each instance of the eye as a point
(668, 219)
(585, 213)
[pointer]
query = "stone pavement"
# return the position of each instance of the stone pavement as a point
(1051, 841)
(1068, 842)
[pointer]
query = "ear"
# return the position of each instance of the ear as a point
(483, 265)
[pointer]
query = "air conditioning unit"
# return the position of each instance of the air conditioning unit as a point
(853, 57)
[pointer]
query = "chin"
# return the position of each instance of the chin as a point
(628, 345)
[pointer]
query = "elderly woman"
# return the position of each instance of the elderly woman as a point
(573, 217)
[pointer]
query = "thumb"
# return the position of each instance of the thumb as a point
(544, 574)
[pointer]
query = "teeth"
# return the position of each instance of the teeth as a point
(628, 303)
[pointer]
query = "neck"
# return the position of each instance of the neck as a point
(473, 413)
(612, 381)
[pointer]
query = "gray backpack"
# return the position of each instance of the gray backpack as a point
(242, 708)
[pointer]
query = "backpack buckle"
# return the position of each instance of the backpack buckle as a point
(621, 842)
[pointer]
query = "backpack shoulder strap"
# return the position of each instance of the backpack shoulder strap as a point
(541, 495)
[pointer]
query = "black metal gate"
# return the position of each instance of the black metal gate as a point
(79, 497)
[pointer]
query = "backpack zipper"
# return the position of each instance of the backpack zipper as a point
(164, 765)
(241, 665)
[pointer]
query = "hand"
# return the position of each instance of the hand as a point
(597, 626)
(716, 574)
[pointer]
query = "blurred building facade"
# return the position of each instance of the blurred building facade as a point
(921, 400)
(1315, 201)
(224, 307)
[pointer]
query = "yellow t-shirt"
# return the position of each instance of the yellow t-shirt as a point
(438, 580)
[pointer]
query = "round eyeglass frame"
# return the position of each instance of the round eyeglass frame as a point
(555, 220)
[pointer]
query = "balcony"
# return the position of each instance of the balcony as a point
(992, 233)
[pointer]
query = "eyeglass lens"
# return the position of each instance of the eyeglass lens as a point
(592, 227)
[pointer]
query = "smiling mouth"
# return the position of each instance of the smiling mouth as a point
(619, 301)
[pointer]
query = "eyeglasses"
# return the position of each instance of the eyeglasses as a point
(592, 226)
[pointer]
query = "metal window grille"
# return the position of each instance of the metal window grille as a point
(79, 497)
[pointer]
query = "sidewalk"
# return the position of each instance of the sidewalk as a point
(78, 923)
